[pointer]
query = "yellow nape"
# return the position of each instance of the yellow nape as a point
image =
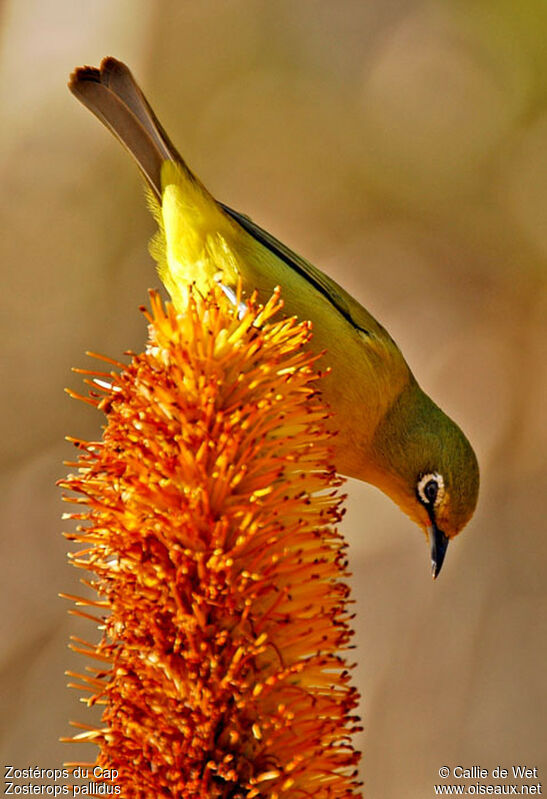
(192, 245)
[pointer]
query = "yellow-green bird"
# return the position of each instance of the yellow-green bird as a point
(390, 433)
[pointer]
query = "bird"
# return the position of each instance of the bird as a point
(390, 433)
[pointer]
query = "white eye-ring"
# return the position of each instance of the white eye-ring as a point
(430, 489)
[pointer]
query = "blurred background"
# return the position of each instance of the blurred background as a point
(402, 147)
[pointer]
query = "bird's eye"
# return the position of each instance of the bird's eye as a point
(430, 489)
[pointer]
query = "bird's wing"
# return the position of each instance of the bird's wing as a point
(345, 304)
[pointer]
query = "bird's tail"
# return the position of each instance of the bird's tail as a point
(191, 245)
(113, 95)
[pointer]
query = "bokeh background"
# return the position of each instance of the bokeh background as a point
(402, 147)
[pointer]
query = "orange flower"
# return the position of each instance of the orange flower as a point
(208, 528)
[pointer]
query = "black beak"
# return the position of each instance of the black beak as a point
(438, 543)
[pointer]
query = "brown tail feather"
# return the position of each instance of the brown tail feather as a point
(113, 95)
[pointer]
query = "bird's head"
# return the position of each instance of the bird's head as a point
(427, 466)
